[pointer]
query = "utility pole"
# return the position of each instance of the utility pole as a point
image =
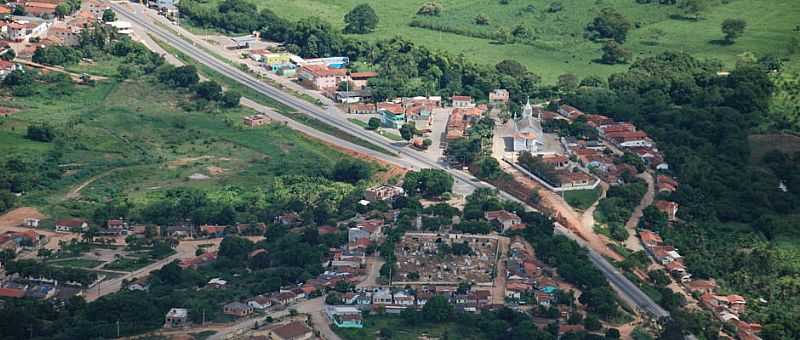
(118, 328)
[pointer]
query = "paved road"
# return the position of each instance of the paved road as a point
(406, 157)
(114, 285)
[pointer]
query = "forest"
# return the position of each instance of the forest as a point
(701, 120)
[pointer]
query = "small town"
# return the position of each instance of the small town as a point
(222, 170)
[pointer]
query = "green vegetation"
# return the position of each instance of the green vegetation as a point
(128, 264)
(236, 87)
(582, 199)
(77, 263)
(362, 19)
(728, 201)
(555, 44)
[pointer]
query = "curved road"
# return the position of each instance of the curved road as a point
(406, 157)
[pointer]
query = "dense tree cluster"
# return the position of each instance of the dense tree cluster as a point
(538, 167)
(361, 19)
(428, 182)
(405, 69)
(701, 120)
(610, 24)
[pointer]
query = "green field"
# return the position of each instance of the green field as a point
(128, 264)
(559, 46)
(582, 199)
(401, 330)
(136, 138)
(77, 263)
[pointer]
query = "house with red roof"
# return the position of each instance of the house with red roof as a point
(669, 208)
(650, 239)
(322, 77)
(326, 229)
(15, 293)
(7, 67)
(212, 230)
(666, 184)
(463, 102)
(628, 139)
(506, 220)
(569, 112)
(67, 225)
(40, 9)
(360, 79)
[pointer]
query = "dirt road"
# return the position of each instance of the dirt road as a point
(632, 242)
(553, 204)
(374, 264)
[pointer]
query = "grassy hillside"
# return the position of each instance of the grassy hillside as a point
(137, 138)
(559, 46)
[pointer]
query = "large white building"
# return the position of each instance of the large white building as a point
(528, 131)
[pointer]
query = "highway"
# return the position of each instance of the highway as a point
(406, 157)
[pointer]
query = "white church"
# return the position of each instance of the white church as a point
(528, 130)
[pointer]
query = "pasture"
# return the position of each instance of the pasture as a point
(559, 46)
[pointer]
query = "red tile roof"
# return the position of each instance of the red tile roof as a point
(292, 330)
(12, 293)
(324, 71)
(70, 222)
(326, 229)
(501, 215)
(461, 98)
(362, 75)
(650, 237)
(627, 136)
(6, 65)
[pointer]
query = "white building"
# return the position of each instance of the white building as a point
(528, 131)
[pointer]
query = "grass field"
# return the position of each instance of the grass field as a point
(78, 263)
(128, 264)
(401, 330)
(559, 46)
(582, 199)
(137, 138)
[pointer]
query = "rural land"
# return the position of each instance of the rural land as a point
(433, 169)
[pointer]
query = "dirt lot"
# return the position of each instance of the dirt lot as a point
(12, 221)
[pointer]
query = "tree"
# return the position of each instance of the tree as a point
(361, 19)
(733, 28)
(511, 67)
(693, 7)
(181, 76)
(230, 99)
(235, 248)
(612, 333)
(374, 123)
(8, 55)
(592, 323)
(481, 19)
(567, 82)
(432, 8)
(520, 32)
(20, 10)
(437, 309)
(614, 53)
(428, 182)
(40, 133)
(351, 170)
(610, 24)
(109, 15)
(209, 90)
(407, 131)
(62, 10)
